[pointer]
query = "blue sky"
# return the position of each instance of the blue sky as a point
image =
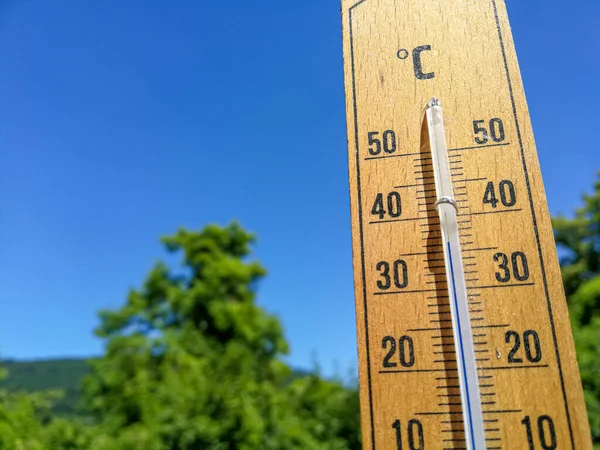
(121, 121)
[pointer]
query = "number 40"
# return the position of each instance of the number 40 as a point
(506, 188)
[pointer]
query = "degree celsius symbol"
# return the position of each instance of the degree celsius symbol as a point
(402, 54)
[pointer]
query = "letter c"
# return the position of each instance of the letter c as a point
(418, 65)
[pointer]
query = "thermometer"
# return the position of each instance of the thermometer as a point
(464, 339)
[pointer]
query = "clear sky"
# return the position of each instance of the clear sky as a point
(122, 120)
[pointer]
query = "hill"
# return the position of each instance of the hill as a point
(51, 374)
(58, 374)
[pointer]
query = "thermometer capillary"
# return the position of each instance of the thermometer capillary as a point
(447, 209)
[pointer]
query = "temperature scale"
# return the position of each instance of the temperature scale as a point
(463, 330)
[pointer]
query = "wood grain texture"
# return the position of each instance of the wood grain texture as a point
(397, 55)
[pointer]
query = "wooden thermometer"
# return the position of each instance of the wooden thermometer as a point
(463, 331)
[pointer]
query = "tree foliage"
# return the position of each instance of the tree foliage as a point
(578, 240)
(20, 425)
(192, 362)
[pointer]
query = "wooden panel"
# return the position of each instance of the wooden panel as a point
(397, 55)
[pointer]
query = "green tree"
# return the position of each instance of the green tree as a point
(193, 363)
(19, 425)
(578, 240)
(23, 417)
